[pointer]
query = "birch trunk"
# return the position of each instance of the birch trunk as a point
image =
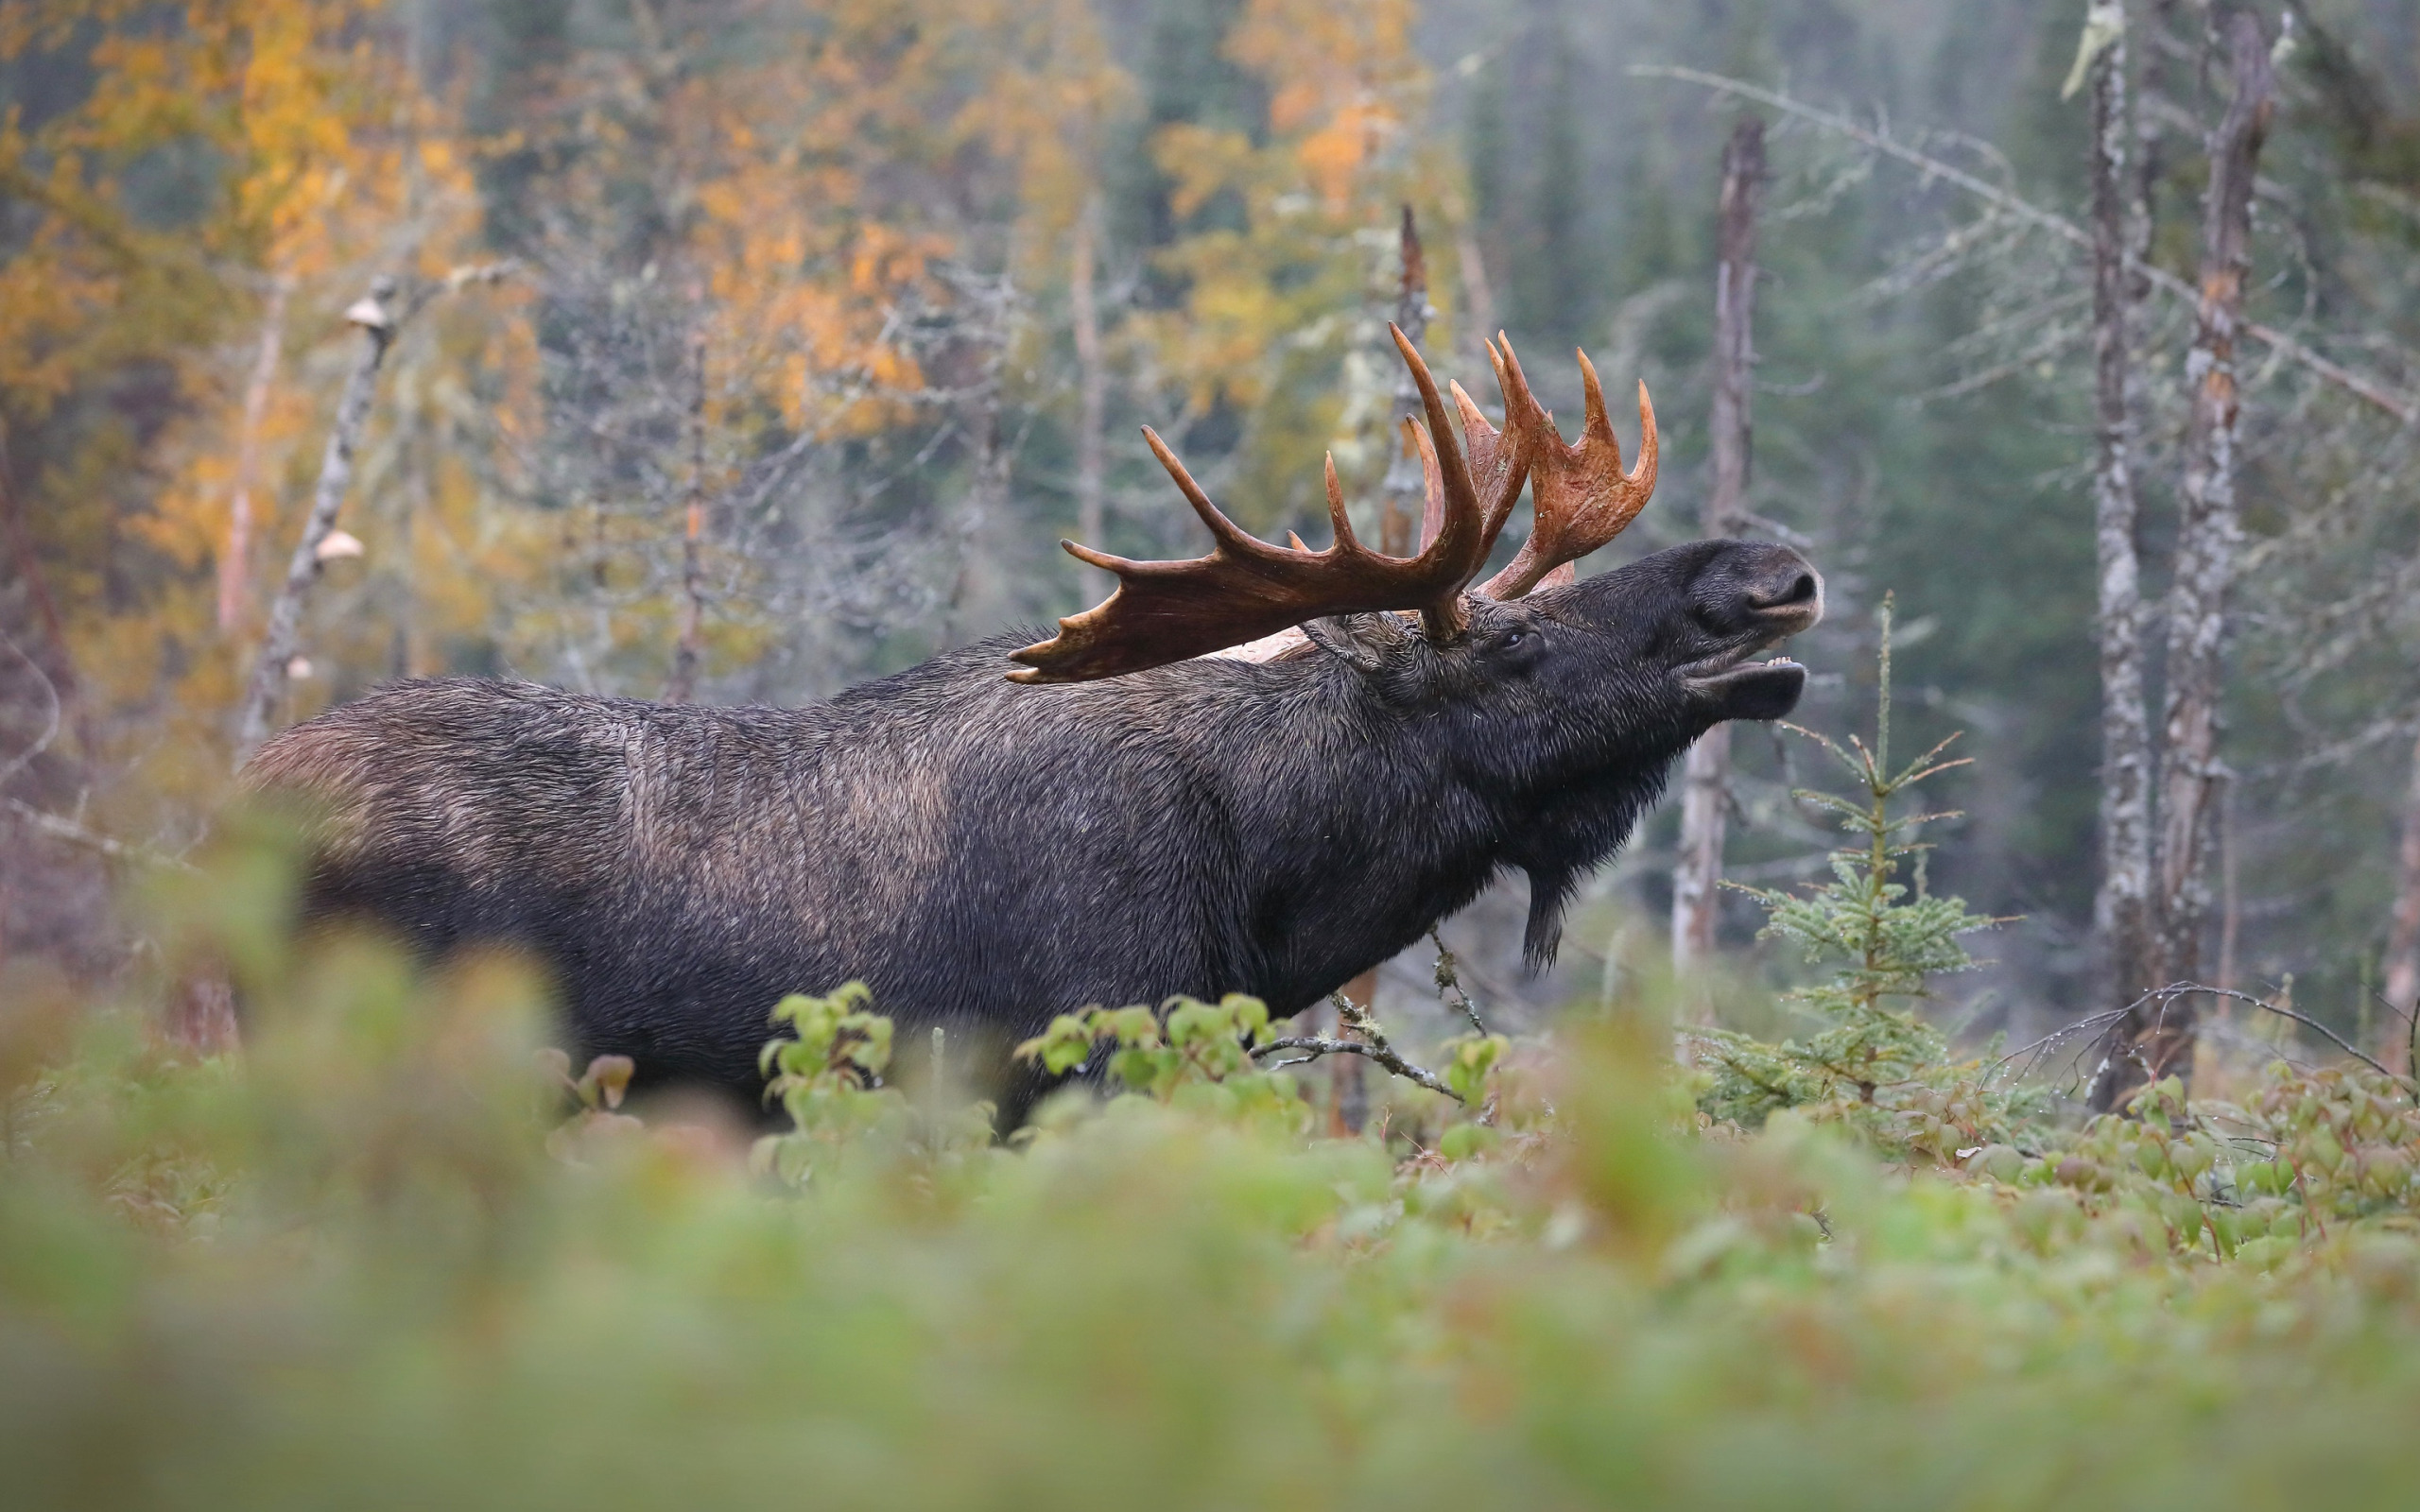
(1405, 493)
(377, 321)
(1479, 300)
(2208, 538)
(1705, 793)
(690, 650)
(1093, 384)
(2121, 917)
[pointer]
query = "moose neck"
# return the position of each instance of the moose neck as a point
(1362, 823)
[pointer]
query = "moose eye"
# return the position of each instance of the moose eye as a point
(1514, 639)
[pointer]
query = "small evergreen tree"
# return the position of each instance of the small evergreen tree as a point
(1881, 1068)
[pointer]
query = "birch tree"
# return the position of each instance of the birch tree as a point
(2119, 233)
(2157, 1042)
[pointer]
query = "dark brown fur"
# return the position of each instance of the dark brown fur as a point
(985, 855)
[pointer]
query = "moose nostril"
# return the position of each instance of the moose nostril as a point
(1799, 590)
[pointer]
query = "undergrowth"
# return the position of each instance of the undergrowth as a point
(400, 1255)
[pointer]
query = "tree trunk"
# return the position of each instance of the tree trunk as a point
(690, 650)
(1093, 384)
(235, 566)
(1405, 492)
(377, 321)
(2121, 917)
(1706, 780)
(1479, 300)
(2403, 929)
(2208, 538)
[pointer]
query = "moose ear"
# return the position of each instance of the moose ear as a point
(1361, 640)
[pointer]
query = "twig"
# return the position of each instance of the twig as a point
(50, 730)
(60, 827)
(2186, 988)
(1373, 1045)
(2163, 996)
(1449, 979)
(2403, 407)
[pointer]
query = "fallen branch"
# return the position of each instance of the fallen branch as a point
(1373, 1045)
(2402, 407)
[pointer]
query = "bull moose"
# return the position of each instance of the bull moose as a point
(1264, 770)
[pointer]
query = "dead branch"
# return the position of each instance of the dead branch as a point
(1449, 980)
(1373, 1045)
(59, 827)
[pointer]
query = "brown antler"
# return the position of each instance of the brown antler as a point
(1580, 497)
(1166, 612)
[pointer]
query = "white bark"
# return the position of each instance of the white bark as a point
(1405, 509)
(1093, 384)
(2120, 910)
(377, 320)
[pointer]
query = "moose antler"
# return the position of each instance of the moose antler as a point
(1580, 497)
(1166, 612)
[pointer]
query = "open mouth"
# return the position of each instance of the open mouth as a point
(1732, 668)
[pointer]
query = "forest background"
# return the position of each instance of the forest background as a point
(743, 349)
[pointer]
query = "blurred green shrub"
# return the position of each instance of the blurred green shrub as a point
(396, 1256)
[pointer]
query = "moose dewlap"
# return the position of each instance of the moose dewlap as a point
(1140, 809)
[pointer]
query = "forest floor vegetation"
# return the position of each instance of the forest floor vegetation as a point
(397, 1253)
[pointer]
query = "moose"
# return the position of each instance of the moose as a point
(1264, 770)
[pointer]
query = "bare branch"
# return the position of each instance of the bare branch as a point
(2403, 407)
(60, 828)
(1449, 979)
(1373, 1045)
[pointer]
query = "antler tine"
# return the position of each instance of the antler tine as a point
(1464, 524)
(1583, 498)
(1595, 426)
(1229, 535)
(1442, 620)
(1338, 520)
(1245, 589)
(1432, 490)
(1499, 466)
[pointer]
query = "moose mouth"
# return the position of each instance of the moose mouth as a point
(1733, 679)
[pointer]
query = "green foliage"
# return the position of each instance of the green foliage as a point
(1884, 1070)
(827, 1075)
(1191, 1053)
(2318, 1155)
(365, 1267)
(1469, 1059)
